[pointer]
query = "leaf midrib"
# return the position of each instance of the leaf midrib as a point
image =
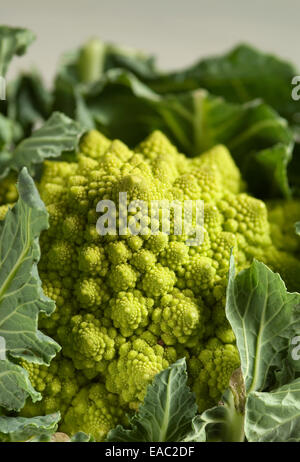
(17, 264)
(165, 421)
(259, 340)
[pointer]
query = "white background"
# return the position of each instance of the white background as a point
(177, 31)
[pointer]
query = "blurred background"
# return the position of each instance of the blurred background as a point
(177, 31)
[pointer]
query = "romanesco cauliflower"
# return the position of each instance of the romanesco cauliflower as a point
(129, 305)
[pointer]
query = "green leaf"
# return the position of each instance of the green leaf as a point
(240, 75)
(294, 165)
(198, 432)
(21, 294)
(59, 437)
(57, 135)
(20, 429)
(15, 386)
(28, 101)
(6, 133)
(81, 437)
(264, 318)
(289, 370)
(274, 416)
(167, 412)
(259, 140)
(91, 61)
(223, 423)
(297, 226)
(13, 41)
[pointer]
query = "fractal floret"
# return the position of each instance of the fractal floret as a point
(134, 298)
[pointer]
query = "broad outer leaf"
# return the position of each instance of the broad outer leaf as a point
(6, 133)
(88, 63)
(259, 140)
(13, 41)
(21, 294)
(298, 227)
(274, 416)
(167, 412)
(28, 101)
(294, 165)
(15, 386)
(60, 437)
(289, 370)
(82, 437)
(264, 318)
(57, 135)
(241, 75)
(198, 432)
(20, 429)
(224, 423)
(8, 130)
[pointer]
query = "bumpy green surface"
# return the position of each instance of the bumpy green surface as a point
(8, 190)
(128, 306)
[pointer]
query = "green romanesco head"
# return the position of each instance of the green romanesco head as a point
(129, 311)
(211, 370)
(8, 190)
(137, 364)
(88, 343)
(59, 384)
(135, 298)
(179, 318)
(3, 211)
(282, 216)
(95, 410)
